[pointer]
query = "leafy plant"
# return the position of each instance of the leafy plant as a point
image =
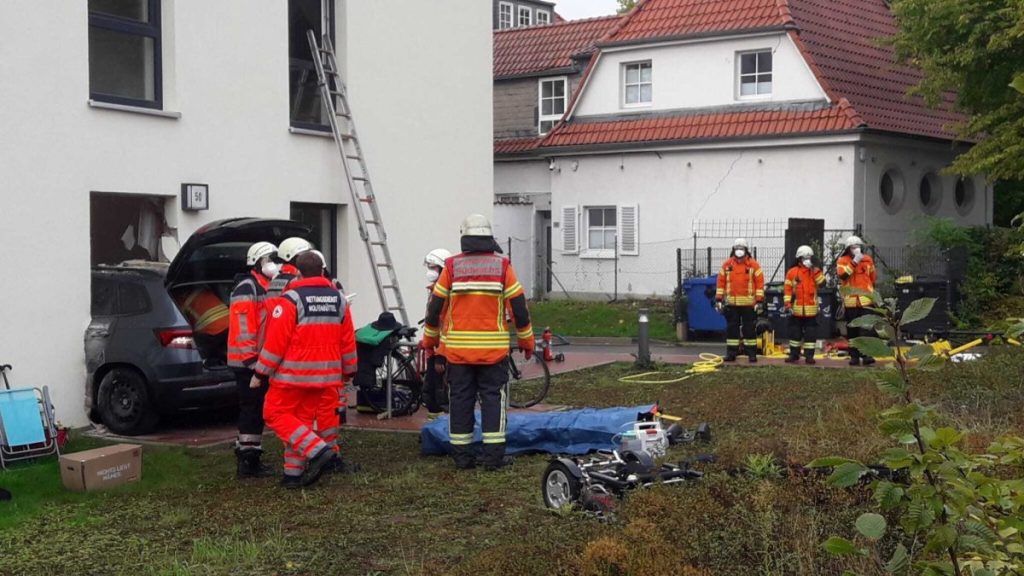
(762, 467)
(951, 512)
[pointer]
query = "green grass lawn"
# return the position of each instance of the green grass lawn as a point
(604, 319)
(414, 515)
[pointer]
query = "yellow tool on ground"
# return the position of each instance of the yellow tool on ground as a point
(708, 363)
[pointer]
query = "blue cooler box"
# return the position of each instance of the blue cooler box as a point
(700, 304)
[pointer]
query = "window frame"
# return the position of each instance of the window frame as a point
(511, 15)
(152, 29)
(545, 14)
(311, 66)
(520, 10)
(639, 84)
(553, 118)
(604, 251)
(757, 72)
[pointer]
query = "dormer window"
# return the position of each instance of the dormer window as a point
(525, 16)
(504, 15)
(543, 17)
(552, 94)
(755, 74)
(637, 84)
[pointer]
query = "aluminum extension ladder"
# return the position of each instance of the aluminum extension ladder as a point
(371, 228)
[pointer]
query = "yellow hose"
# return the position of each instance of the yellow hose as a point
(708, 363)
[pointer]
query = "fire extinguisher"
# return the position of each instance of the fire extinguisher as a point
(549, 355)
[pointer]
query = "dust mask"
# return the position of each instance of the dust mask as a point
(807, 262)
(432, 275)
(856, 251)
(270, 269)
(740, 252)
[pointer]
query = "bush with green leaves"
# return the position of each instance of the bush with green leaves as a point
(942, 511)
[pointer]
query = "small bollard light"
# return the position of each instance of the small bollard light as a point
(643, 357)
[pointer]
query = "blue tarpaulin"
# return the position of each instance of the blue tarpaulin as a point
(570, 432)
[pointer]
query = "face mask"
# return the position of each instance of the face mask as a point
(855, 251)
(807, 262)
(740, 252)
(432, 275)
(270, 269)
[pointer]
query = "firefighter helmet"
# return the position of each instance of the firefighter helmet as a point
(436, 257)
(257, 251)
(292, 247)
(804, 252)
(853, 241)
(323, 261)
(741, 243)
(476, 225)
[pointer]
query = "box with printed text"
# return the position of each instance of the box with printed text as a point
(101, 468)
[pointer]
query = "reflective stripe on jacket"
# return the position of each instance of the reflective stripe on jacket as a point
(248, 320)
(477, 289)
(204, 310)
(800, 291)
(740, 282)
(310, 337)
(860, 275)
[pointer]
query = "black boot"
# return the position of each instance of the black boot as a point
(794, 355)
(249, 464)
(809, 356)
(463, 457)
(493, 466)
(291, 482)
(868, 361)
(752, 357)
(325, 460)
(730, 354)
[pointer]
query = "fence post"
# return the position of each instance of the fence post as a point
(680, 311)
(694, 255)
(615, 298)
(709, 262)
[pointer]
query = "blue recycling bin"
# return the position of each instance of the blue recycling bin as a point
(700, 304)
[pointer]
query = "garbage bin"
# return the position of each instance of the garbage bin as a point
(775, 306)
(826, 313)
(910, 289)
(700, 304)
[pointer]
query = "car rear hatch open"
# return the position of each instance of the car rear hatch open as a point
(207, 267)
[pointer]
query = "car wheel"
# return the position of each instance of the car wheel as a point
(124, 403)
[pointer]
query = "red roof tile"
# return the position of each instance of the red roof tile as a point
(703, 126)
(841, 40)
(668, 18)
(522, 51)
(515, 145)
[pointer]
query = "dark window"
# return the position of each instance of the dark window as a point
(132, 299)
(756, 73)
(104, 297)
(124, 52)
(324, 220)
(307, 110)
(888, 190)
(926, 192)
(964, 196)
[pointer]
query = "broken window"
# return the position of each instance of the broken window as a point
(307, 110)
(126, 227)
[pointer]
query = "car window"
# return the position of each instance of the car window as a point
(132, 299)
(104, 297)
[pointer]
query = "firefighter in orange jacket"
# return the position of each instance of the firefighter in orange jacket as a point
(740, 293)
(856, 270)
(248, 320)
(800, 293)
(209, 318)
(475, 291)
(310, 346)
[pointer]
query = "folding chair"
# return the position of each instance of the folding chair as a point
(27, 425)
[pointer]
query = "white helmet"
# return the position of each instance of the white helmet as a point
(854, 241)
(476, 225)
(292, 247)
(257, 251)
(804, 252)
(741, 243)
(323, 261)
(436, 257)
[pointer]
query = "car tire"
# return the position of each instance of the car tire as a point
(124, 403)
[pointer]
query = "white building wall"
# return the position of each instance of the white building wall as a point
(756, 183)
(514, 231)
(528, 177)
(698, 74)
(412, 68)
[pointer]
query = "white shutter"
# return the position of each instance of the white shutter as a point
(570, 230)
(629, 224)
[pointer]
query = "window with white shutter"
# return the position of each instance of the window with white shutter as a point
(629, 224)
(570, 230)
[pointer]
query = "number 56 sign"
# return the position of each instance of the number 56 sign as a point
(195, 197)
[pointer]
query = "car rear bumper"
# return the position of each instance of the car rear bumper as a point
(208, 389)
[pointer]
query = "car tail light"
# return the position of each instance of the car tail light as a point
(176, 338)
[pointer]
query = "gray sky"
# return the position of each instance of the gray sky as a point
(575, 9)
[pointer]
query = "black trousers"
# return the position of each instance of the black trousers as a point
(433, 386)
(851, 315)
(466, 384)
(250, 411)
(803, 333)
(740, 322)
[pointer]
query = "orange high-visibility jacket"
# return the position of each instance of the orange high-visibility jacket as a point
(471, 299)
(801, 290)
(310, 338)
(740, 282)
(204, 310)
(248, 320)
(860, 275)
(280, 283)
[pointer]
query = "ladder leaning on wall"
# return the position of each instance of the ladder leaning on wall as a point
(371, 228)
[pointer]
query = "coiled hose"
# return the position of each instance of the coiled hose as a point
(708, 363)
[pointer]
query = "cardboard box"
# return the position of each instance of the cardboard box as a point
(101, 468)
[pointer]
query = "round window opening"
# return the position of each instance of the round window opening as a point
(964, 195)
(930, 193)
(890, 190)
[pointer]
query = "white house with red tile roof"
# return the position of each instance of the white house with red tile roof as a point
(692, 111)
